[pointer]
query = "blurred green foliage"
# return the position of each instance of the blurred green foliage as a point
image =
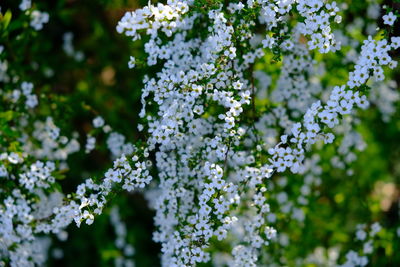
(74, 92)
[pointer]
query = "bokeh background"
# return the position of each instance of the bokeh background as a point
(77, 88)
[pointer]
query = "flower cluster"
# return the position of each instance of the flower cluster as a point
(121, 243)
(341, 102)
(355, 259)
(217, 128)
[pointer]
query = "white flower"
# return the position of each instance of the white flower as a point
(98, 122)
(38, 18)
(270, 232)
(90, 143)
(361, 234)
(237, 85)
(25, 4)
(395, 42)
(3, 171)
(14, 158)
(31, 101)
(375, 228)
(389, 19)
(26, 88)
(132, 62)
(368, 248)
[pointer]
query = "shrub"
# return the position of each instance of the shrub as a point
(264, 133)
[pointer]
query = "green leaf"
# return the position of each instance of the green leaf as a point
(60, 175)
(5, 20)
(7, 115)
